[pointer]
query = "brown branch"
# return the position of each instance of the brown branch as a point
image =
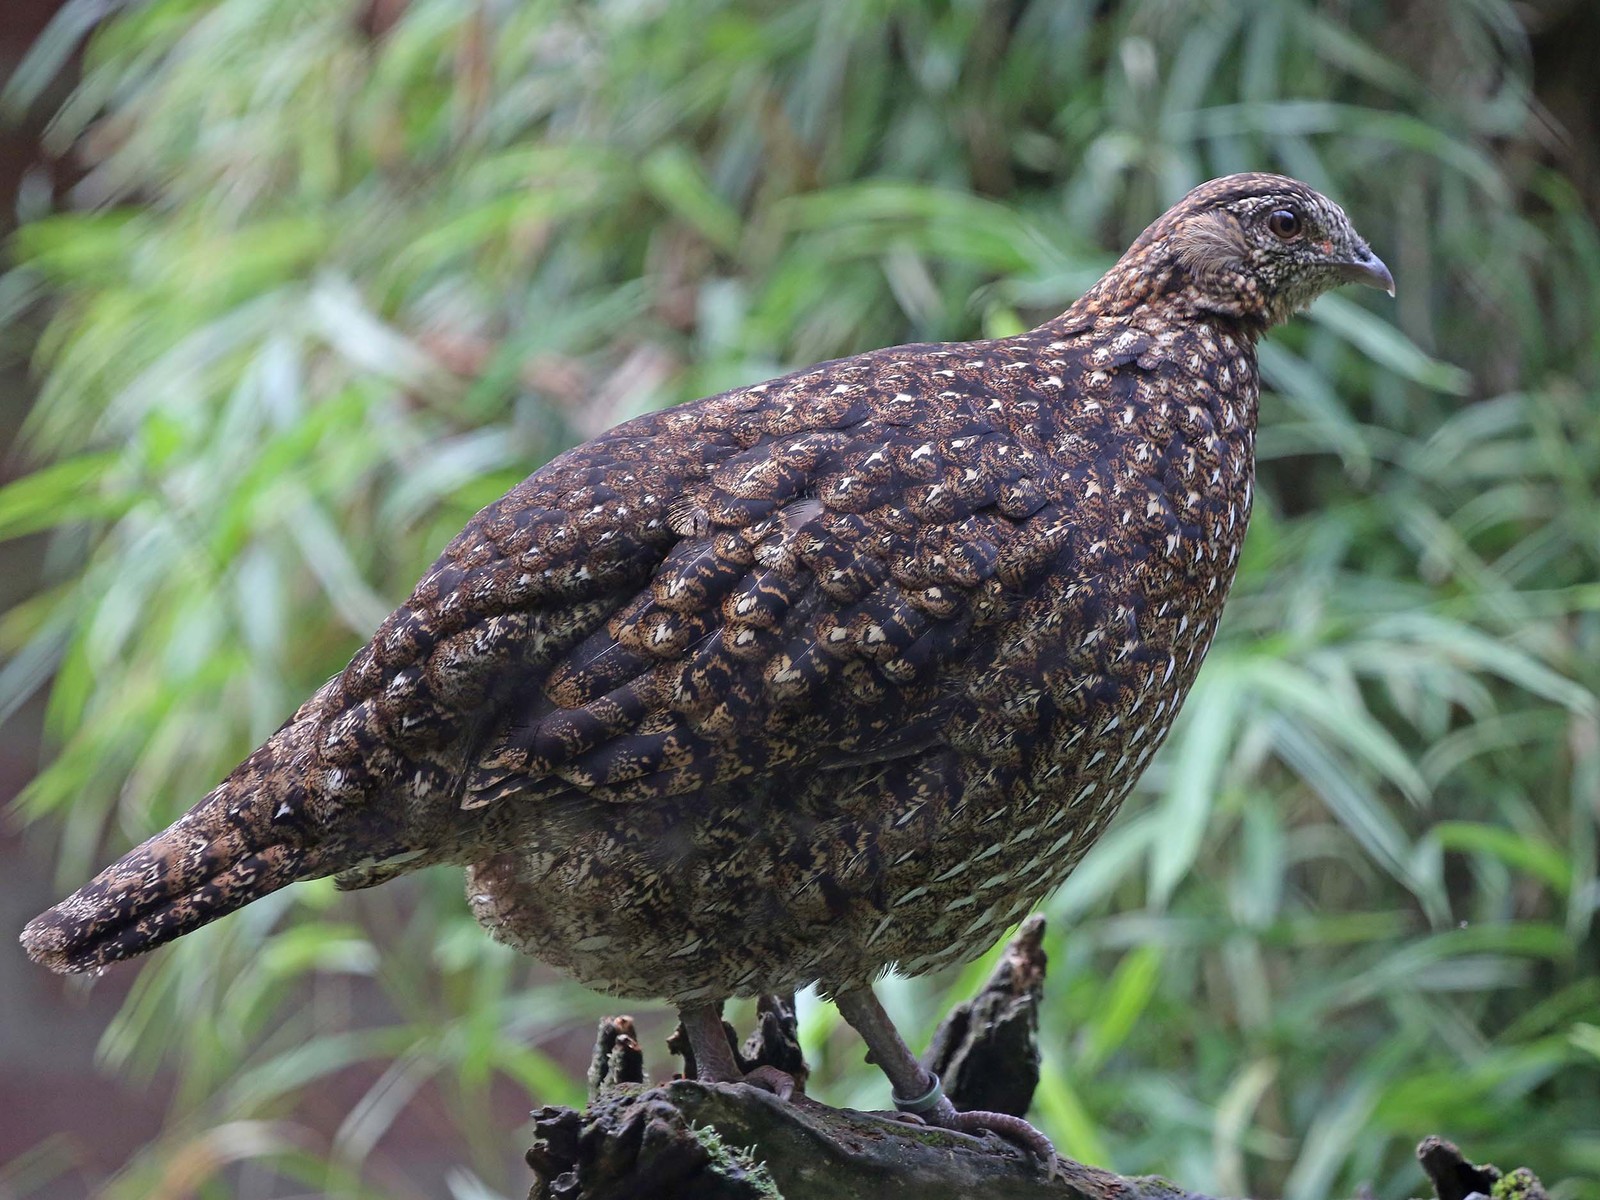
(687, 1140)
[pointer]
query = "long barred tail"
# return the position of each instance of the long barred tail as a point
(225, 852)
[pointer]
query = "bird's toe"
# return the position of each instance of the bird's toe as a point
(1013, 1129)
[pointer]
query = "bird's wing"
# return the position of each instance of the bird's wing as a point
(820, 603)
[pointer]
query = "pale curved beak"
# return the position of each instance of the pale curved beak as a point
(1369, 269)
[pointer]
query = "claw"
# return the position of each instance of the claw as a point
(890, 1114)
(769, 1079)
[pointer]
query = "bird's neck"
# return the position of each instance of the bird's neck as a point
(1148, 285)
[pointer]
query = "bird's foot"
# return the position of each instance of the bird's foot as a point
(976, 1123)
(707, 1046)
(1013, 1129)
(935, 1108)
(917, 1090)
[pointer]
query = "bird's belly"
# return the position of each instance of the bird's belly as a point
(705, 901)
(741, 905)
(922, 863)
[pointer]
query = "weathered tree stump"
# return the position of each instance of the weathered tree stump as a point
(986, 1051)
(1454, 1178)
(687, 1140)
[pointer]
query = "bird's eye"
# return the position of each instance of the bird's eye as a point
(1285, 224)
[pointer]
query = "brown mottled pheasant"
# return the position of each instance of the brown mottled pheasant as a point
(836, 671)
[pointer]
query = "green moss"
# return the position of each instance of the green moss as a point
(736, 1164)
(1521, 1184)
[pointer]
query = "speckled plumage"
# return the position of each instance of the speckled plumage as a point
(845, 669)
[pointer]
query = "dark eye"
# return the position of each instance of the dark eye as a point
(1285, 224)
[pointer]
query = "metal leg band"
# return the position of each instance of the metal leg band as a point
(922, 1104)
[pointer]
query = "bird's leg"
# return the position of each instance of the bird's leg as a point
(714, 1060)
(713, 1054)
(915, 1088)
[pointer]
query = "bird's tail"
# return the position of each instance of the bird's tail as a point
(238, 844)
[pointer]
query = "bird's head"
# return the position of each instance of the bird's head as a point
(1258, 247)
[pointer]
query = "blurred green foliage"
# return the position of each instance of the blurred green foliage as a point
(338, 274)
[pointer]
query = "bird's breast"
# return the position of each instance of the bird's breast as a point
(1151, 468)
